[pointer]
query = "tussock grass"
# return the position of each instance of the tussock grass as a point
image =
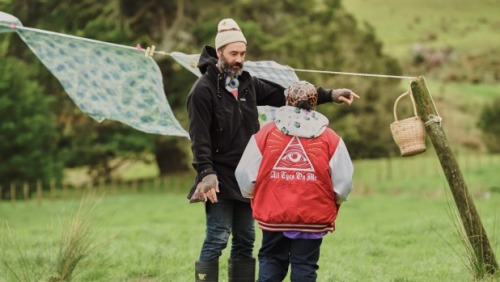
(35, 261)
(464, 252)
(77, 240)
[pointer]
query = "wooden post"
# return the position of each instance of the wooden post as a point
(39, 191)
(157, 184)
(134, 185)
(463, 200)
(114, 186)
(52, 189)
(64, 189)
(13, 192)
(26, 191)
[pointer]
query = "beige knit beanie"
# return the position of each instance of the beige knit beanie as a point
(228, 31)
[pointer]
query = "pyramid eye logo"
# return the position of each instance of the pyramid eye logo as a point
(294, 158)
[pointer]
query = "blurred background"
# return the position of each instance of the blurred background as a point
(47, 142)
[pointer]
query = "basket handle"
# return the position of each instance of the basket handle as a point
(396, 104)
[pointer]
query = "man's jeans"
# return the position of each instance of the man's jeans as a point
(223, 218)
(278, 251)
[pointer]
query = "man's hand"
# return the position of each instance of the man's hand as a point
(209, 185)
(343, 95)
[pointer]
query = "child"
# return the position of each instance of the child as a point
(297, 172)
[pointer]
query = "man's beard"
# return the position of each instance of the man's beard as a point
(228, 70)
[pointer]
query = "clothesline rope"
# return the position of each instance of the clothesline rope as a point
(13, 26)
(356, 74)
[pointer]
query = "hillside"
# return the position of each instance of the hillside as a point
(449, 42)
(466, 26)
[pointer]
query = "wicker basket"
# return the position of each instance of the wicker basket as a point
(409, 134)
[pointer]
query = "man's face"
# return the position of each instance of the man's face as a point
(232, 57)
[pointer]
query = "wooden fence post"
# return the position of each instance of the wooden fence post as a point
(463, 200)
(157, 184)
(114, 186)
(39, 192)
(26, 191)
(13, 192)
(52, 189)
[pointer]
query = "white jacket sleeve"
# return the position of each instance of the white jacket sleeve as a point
(248, 167)
(341, 169)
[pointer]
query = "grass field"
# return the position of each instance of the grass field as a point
(399, 224)
(157, 237)
(467, 26)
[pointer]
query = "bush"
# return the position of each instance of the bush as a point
(27, 133)
(490, 127)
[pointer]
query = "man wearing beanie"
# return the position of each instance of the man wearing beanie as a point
(222, 107)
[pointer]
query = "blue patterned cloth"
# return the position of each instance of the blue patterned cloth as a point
(116, 82)
(104, 80)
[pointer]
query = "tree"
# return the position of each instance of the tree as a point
(28, 135)
(323, 36)
(82, 141)
(488, 123)
(332, 40)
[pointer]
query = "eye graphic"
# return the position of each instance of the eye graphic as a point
(295, 159)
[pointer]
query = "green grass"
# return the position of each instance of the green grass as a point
(157, 237)
(400, 224)
(423, 176)
(467, 26)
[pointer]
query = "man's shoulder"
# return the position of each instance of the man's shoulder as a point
(203, 83)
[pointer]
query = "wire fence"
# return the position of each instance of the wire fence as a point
(53, 191)
(421, 174)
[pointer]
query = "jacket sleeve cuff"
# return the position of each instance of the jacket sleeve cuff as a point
(324, 95)
(205, 172)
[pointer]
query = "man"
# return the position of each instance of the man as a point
(297, 171)
(222, 107)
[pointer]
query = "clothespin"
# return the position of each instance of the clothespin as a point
(150, 51)
(138, 47)
(13, 26)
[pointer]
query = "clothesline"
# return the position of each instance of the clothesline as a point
(357, 74)
(329, 72)
(124, 83)
(139, 49)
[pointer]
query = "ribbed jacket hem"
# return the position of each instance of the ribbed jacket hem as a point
(282, 227)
